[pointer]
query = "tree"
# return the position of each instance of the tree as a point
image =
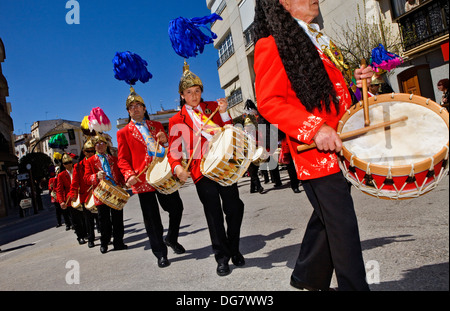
(359, 38)
(40, 164)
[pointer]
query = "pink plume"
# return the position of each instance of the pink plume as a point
(98, 121)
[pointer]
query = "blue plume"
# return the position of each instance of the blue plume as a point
(130, 68)
(384, 59)
(186, 35)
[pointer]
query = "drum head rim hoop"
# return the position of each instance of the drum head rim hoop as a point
(228, 152)
(110, 185)
(401, 170)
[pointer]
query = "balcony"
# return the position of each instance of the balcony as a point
(424, 25)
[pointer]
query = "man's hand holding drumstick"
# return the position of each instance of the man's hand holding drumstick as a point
(326, 137)
(160, 138)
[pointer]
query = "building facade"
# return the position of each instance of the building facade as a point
(7, 158)
(422, 31)
(236, 51)
(42, 131)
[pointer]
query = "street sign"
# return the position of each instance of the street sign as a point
(24, 176)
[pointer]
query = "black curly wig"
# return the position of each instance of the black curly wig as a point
(302, 63)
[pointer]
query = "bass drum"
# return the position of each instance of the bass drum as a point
(404, 160)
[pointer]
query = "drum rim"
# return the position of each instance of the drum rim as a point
(117, 189)
(401, 170)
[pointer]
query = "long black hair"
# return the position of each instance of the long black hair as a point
(302, 63)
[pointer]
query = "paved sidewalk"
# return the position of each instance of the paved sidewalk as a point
(405, 247)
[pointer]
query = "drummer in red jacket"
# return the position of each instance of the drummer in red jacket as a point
(301, 87)
(135, 154)
(80, 188)
(104, 166)
(64, 179)
(216, 199)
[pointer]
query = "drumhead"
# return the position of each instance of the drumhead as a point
(159, 171)
(419, 138)
(220, 145)
(90, 202)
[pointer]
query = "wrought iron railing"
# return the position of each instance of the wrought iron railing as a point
(424, 24)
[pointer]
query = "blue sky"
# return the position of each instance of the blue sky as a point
(57, 70)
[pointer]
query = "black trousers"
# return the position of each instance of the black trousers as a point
(64, 213)
(331, 240)
(218, 200)
(89, 220)
(111, 224)
(170, 203)
(79, 222)
(255, 183)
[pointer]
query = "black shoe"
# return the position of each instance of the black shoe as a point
(261, 189)
(163, 262)
(278, 185)
(238, 260)
(303, 286)
(91, 244)
(177, 247)
(58, 225)
(67, 228)
(296, 190)
(223, 269)
(103, 249)
(81, 241)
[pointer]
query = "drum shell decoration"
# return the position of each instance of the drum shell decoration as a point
(113, 196)
(232, 150)
(160, 177)
(404, 181)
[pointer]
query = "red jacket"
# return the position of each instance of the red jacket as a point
(278, 104)
(181, 131)
(63, 188)
(132, 153)
(94, 165)
(78, 185)
(52, 185)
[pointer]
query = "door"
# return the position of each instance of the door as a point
(411, 85)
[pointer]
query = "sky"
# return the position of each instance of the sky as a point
(57, 70)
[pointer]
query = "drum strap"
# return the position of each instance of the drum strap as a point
(106, 168)
(149, 140)
(200, 119)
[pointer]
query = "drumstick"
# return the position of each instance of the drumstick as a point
(355, 133)
(365, 97)
(200, 139)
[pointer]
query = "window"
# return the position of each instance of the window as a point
(226, 50)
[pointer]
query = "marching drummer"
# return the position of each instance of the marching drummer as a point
(195, 116)
(137, 143)
(301, 87)
(104, 166)
(80, 188)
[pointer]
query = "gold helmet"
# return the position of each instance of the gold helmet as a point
(248, 121)
(98, 139)
(188, 79)
(89, 144)
(66, 158)
(376, 80)
(134, 97)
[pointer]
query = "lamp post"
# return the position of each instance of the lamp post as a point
(33, 193)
